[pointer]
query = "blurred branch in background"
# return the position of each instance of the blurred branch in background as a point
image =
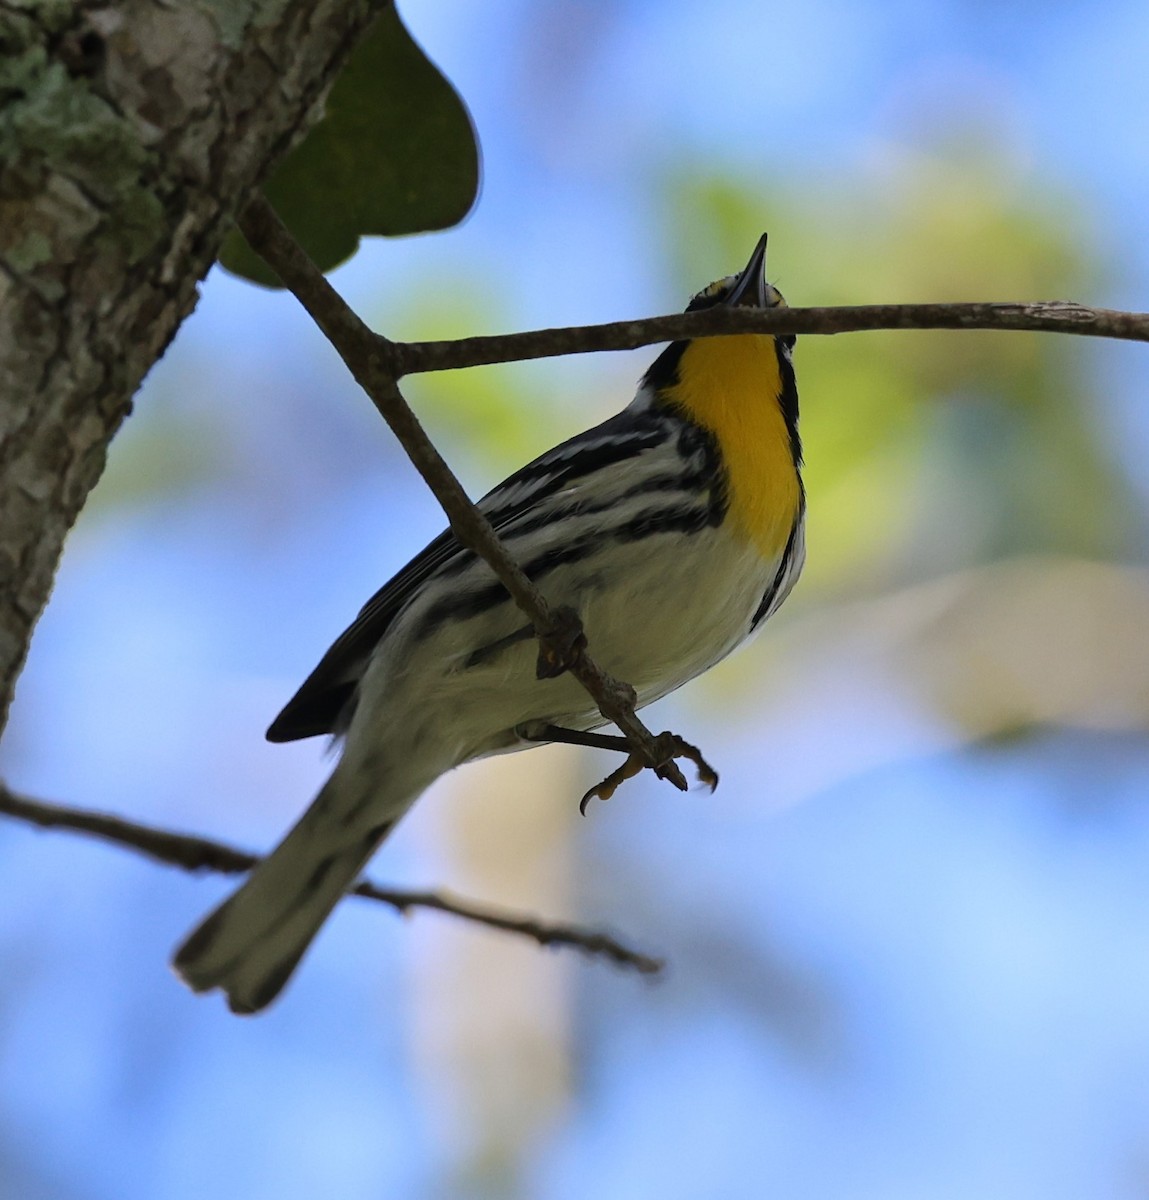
(989, 654)
(200, 854)
(1036, 641)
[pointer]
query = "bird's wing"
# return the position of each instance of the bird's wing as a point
(318, 707)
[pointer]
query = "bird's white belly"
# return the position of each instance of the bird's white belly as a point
(675, 610)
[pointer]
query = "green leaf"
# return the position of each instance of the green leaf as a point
(394, 154)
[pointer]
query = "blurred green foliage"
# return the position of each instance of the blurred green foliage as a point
(486, 413)
(928, 451)
(491, 420)
(394, 154)
(948, 473)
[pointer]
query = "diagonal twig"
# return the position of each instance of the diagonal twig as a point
(374, 362)
(192, 853)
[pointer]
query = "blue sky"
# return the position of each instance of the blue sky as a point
(901, 965)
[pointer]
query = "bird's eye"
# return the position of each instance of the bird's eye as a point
(711, 294)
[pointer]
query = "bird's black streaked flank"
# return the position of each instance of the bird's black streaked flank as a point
(674, 529)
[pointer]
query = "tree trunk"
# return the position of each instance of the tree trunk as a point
(130, 133)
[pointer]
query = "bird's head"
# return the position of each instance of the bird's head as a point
(748, 289)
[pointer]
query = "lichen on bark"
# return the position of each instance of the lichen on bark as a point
(130, 131)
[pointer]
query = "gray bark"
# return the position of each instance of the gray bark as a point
(131, 131)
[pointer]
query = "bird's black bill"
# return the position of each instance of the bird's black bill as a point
(750, 287)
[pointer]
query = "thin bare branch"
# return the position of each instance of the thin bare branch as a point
(200, 854)
(1055, 316)
(374, 362)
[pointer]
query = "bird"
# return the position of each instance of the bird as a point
(674, 529)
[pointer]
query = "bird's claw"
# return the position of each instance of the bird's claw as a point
(603, 791)
(677, 747)
(668, 747)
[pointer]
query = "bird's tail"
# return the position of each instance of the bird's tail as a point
(250, 945)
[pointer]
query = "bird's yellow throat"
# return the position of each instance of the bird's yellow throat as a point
(732, 386)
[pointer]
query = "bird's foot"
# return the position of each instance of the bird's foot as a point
(667, 747)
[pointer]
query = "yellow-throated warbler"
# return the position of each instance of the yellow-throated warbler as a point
(674, 529)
